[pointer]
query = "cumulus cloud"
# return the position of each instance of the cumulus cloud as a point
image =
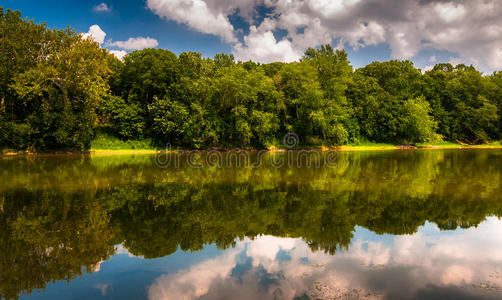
(470, 29)
(427, 68)
(449, 11)
(135, 43)
(118, 53)
(102, 7)
(261, 45)
(96, 33)
(197, 14)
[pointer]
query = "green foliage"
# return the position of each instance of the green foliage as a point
(398, 78)
(62, 94)
(417, 124)
(57, 89)
(147, 74)
(264, 125)
(125, 120)
(465, 103)
(170, 118)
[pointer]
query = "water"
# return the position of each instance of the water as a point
(362, 225)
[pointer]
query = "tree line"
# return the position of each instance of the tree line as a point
(59, 90)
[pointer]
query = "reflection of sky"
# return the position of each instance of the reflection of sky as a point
(431, 264)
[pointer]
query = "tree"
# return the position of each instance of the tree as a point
(147, 74)
(23, 44)
(399, 78)
(170, 119)
(387, 104)
(57, 91)
(460, 97)
(61, 93)
(120, 118)
(417, 123)
(333, 115)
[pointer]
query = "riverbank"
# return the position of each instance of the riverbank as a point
(362, 147)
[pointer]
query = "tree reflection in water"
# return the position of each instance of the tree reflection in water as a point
(61, 213)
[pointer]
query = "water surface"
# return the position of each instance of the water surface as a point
(359, 225)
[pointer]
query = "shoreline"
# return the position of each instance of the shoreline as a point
(346, 148)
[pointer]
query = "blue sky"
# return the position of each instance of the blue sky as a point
(424, 31)
(126, 19)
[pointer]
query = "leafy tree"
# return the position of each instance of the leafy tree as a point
(380, 96)
(333, 73)
(264, 125)
(170, 118)
(23, 44)
(417, 123)
(61, 93)
(147, 74)
(399, 78)
(460, 97)
(496, 96)
(122, 119)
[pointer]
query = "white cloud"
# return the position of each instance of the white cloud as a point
(197, 15)
(449, 11)
(471, 30)
(262, 46)
(118, 53)
(96, 33)
(330, 8)
(136, 43)
(427, 68)
(102, 7)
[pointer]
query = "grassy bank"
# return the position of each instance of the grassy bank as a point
(367, 146)
(110, 145)
(104, 144)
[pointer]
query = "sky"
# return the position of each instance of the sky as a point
(424, 31)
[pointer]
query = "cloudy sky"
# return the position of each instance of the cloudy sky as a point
(424, 31)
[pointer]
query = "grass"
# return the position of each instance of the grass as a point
(108, 144)
(451, 145)
(365, 145)
(428, 145)
(105, 143)
(441, 145)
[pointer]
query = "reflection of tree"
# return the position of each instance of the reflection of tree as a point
(52, 227)
(49, 236)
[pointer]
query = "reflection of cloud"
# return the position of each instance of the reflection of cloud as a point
(194, 282)
(426, 263)
(456, 275)
(96, 267)
(103, 288)
(119, 249)
(370, 253)
(264, 250)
